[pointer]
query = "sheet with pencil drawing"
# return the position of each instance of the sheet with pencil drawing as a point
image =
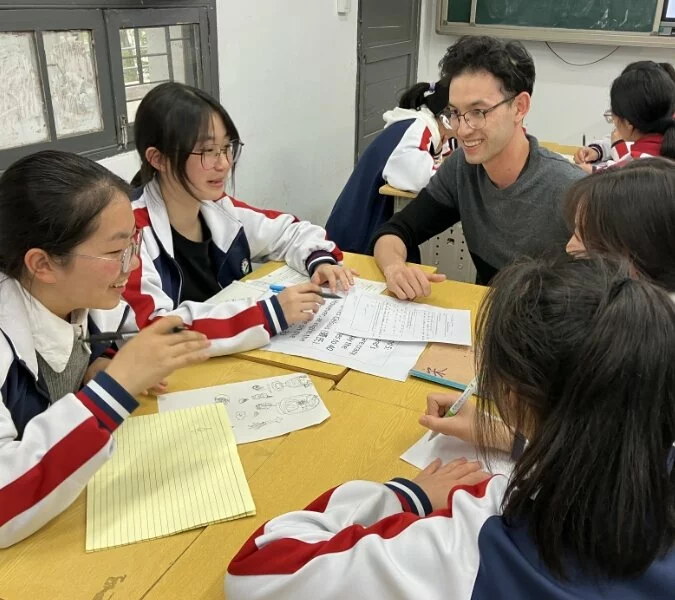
(261, 408)
(169, 473)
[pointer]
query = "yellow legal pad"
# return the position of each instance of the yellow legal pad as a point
(170, 472)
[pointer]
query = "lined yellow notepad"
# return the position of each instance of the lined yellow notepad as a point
(170, 472)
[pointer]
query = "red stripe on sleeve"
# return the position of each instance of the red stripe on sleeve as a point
(287, 556)
(426, 138)
(142, 304)
(270, 214)
(99, 413)
(227, 328)
(58, 463)
(477, 491)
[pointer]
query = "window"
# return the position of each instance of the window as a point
(72, 78)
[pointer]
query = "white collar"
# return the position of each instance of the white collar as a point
(53, 338)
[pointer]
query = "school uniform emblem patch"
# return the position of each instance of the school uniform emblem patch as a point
(245, 266)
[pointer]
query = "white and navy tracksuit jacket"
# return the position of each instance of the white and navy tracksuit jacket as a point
(366, 540)
(241, 234)
(608, 150)
(623, 153)
(49, 448)
(405, 155)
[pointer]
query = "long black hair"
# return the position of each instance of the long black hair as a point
(432, 95)
(172, 117)
(578, 356)
(629, 212)
(51, 200)
(645, 97)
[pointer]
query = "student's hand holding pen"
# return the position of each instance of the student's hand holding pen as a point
(154, 353)
(300, 302)
(461, 425)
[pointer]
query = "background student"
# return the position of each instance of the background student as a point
(642, 107)
(405, 155)
(588, 511)
(506, 190)
(612, 147)
(198, 240)
(67, 244)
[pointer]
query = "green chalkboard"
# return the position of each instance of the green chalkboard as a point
(591, 15)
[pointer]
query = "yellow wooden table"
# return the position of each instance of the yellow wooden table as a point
(52, 563)
(359, 441)
(412, 393)
(367, 269)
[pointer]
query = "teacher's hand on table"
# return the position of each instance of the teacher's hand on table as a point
(408, 283)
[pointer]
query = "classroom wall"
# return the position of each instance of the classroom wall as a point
(568, 101)
(288, 79)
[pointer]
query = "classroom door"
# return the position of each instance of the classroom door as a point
(388, 41)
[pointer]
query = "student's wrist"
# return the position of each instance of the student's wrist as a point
(273, 314)
(412, 497)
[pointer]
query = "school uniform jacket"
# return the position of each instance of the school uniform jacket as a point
(365, 540)
(405, 155)
(624, 153)
(240, 234)
(608, 150)
(49, 449)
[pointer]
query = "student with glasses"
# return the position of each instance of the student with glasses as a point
(500, 183)
(198, 240)
(614, 147)
(64, 252)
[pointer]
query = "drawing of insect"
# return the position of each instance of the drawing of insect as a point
(261, 424)
(258, 388)
(222, 399)
(240, 415)
(300, 381)
(298, 404)
(277, 386)
(264, 405)
(262, 396)
(243, 400)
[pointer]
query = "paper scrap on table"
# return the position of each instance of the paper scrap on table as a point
(448, 448)
(261, 408)
(169, 473)
(287, 276)
(383, 318)
(319, 339)
(238, 291)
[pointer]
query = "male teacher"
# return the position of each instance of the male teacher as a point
(504, 187)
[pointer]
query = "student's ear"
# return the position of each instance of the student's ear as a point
(522, 105)
(39, 265)
(156, 159)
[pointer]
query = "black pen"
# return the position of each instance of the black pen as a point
(120, 336)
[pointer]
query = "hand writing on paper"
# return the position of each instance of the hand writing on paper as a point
(300, 302)
(408, 283)
(438, 479)
(462, 425)
(586, 155)
(335, 276)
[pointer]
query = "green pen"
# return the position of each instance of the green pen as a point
(454, 408)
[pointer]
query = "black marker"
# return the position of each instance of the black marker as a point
(117, 336)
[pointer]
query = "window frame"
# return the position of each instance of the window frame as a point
(104, 18)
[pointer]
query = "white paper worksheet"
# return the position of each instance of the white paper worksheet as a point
(259, 409)
(447, 448)
(384, 318)
(320, 339)
(287, 276)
